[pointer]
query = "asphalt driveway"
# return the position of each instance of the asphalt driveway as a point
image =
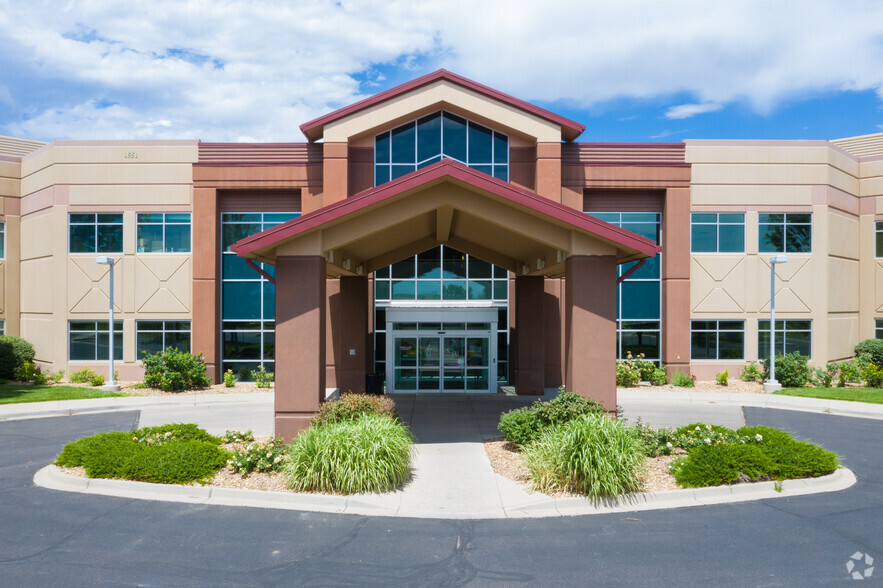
(59, 538)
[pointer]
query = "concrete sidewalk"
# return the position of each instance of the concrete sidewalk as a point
(452, 475)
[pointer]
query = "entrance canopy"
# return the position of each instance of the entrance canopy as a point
(446, 203)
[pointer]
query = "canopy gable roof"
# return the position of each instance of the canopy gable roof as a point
(314, 129)
(448, 203)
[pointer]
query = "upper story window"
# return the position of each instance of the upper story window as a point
(712, 232)
(784, 232)
(427, 140)
(96, 232)
(879, 239)
(163, 232)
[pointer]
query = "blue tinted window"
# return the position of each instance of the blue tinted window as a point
(717, 233)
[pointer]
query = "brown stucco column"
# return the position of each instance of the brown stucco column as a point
(352, 350)
(335, 167)
(206, 292)
(530, 332)
(676, 280)
(590, 327)
(300, 342)
(549, 170)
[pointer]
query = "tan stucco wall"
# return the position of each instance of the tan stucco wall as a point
(57, 286)
(829, 286)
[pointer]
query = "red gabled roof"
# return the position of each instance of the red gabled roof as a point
(570, 129)
(456, 171)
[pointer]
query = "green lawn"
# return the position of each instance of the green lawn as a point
(872, 395)
(15, 393)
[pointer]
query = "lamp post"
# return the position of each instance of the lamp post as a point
(112, 385)
(772, 385)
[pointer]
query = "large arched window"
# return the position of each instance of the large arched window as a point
(427, 140)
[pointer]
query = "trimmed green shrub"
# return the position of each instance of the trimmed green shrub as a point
(173, 370)
(14, 351)
(751, 373)
(170, 454)
(591, 455)
(723, 378)
(769, 454)
(713, 465)
(229, 379)
(177, 462)
(682, 380)
(83, 376)
(97, 380)
(627, 375)
(658, 377)
(350, 407)
(370, 454)
(849, 373)
(523, 425)
(792, 370)
(29, 372)
(872, 349)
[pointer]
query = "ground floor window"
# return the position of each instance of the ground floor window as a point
(156, 336)
(2, 327)
(791, 335)
(89, 340)
(638, 337)
(248, 345)
(878, 328)
(717, 339)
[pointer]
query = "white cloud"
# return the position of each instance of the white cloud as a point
(688, 110)
(233, 69)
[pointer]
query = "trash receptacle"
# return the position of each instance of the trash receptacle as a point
(374, 384)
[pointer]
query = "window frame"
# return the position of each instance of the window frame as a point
(784, 330)
(717, 333)
(717, 230)
(163, 223)
(139, 330)
(96, 224)
(878, 328)
(785, 224)
(118, 333)
(2, 239)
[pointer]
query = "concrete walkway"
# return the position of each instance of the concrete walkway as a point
(452, 476)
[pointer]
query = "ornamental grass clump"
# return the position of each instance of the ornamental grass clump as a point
(369, 454)
(591, 455)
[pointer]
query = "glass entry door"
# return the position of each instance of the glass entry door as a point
(442, 362)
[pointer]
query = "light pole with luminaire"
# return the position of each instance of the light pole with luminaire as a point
(772, 385)
(112, 385)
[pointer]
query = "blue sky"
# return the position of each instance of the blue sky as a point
(635, 70)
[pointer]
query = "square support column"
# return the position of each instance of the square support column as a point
(590, 327)
(352, 348)
(530, 332)
(676, 281)
(300, 342)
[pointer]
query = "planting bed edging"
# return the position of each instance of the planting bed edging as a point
(390, 504)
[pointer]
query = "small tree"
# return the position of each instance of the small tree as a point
(14, 352)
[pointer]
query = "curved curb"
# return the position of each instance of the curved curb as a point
(390, 504)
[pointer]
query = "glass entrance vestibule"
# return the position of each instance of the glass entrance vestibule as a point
(442, 350)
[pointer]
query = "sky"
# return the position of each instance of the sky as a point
(254, 70)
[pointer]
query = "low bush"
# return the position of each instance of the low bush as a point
(658, 377)
(723, 378)
(591, 455)
(237, 437)
(627, 375)
(872, 350)
(262, 377)
(53, 377)
(792, 370)
(824, 377)
(850, 373)
(258, 457)
(350, 407)
(14, 351)
(83, 376)
(173, 370)
(523, 425)
(170, 454)
(769, 454)
(656, 442)
(873, 374)
(631, 370)
(29, 372)
(682, 380)
(751, 373)
(229, 379)
(369, 454)
(97, 380)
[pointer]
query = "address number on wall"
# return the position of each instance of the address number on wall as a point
(130, 155)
